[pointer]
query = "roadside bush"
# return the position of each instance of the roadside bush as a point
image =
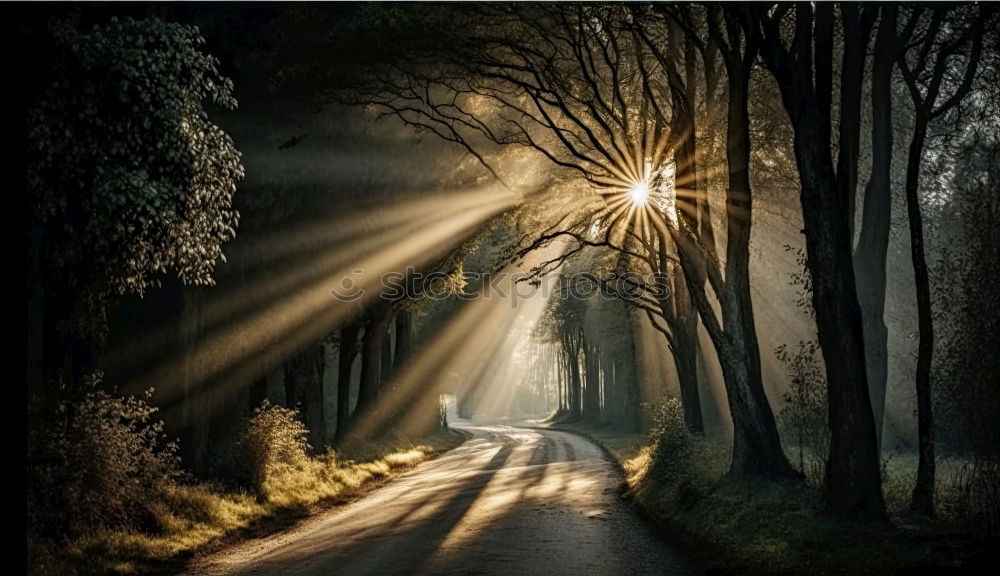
(275, 445)
(99, 460)
(669, 438)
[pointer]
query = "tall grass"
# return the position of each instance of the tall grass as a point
(284, 482)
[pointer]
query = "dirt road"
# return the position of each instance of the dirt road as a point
(510, 501)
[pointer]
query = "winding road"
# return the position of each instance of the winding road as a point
(509, 501)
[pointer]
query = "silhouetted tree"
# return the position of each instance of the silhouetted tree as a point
(946, 56)
(804, 70)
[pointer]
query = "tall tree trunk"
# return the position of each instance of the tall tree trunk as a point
(385, 371)
(576, 383)
(756, 445)
(684, 349)
(196, 414)
(258, 392)
(923, 493)
(561, 377)
(764, 454)
(304, 384)
(927, 107)
(592, 393)
(852, 487)
(627, 384)
(404, 339)
(376, 329)
(873, 243)
(345, 360)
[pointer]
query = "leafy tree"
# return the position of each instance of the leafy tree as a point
(128, 176)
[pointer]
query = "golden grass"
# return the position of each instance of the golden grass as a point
(194, 516)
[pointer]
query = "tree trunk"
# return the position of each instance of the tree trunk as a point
(196, 414)
(873, 243)
(376, 330)
(922, 501)
(627, 385)
(345, 360)
(404, 339)
(852, 486)
(258, 392)
(576, 384)
(592, 393)
(756, 445)
(385, 371)
(561, 384)
(685, 352)
(764, 454)
(304, 387)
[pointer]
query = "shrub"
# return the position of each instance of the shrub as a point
(803, 416)
(898, 479)
(973, 494)
(99, 461)
(275, 444)
(669, 437)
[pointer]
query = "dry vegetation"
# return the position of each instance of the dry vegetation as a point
(286, 484)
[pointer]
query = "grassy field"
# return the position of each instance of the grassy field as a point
(198, 517)
(740, 527)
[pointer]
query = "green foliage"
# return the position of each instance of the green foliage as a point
(275, 443)
(803, 415)
(669, 438)
(99, 461)
(128, 175)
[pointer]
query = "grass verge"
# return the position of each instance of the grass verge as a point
(734, 526)
(197, 518)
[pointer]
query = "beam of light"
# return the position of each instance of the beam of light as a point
(267, 283)
(234, 355)
(468, 345)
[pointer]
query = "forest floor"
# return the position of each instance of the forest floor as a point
(737, 527)
(202, 518)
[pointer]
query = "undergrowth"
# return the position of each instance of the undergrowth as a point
(283, 483)
(736, 526)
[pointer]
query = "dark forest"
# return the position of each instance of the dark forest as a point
(510, 288)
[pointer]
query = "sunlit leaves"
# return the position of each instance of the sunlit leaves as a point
(129, 176)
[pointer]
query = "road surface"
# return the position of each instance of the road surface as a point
(509, 501)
